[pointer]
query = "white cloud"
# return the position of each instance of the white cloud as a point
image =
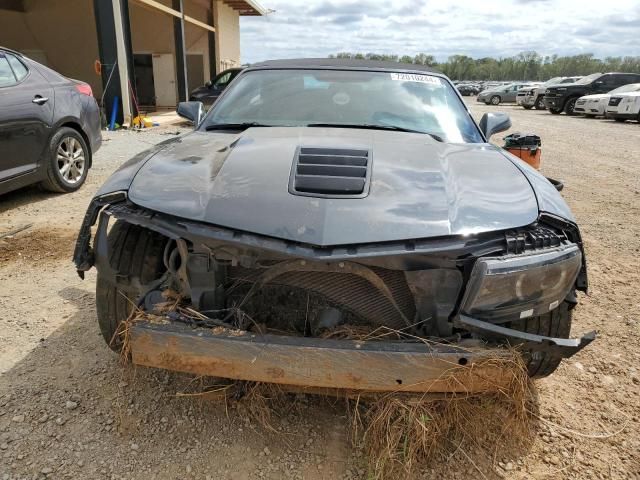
(498, 28)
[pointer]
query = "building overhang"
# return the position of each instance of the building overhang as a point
(249, 8)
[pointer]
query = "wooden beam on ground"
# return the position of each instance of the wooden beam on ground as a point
(378, 366)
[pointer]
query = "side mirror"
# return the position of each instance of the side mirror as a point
(208, 84)
(193, 111)
(492, 123)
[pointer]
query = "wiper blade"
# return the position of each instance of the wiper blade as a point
(234, 126)
(373, 126)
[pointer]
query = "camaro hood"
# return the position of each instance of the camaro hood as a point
(420, 188)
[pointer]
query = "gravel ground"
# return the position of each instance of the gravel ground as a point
(69, 410)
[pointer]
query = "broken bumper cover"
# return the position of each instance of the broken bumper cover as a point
(555, 347)
(374, 366)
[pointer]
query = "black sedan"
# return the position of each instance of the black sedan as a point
(467, 90)
(210, 91)
(49, 126)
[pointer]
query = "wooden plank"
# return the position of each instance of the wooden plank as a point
(310, 362)
(175, 13)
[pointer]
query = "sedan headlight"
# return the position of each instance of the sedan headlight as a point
(521, 286)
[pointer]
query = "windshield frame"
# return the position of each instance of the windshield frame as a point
(204, 122)
(588, 79)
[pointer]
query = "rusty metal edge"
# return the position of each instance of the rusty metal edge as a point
(374, 366)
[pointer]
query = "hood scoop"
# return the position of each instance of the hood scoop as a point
(330, 172)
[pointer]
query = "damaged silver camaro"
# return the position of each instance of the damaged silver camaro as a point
(320, 193)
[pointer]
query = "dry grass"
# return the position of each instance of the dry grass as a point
(400, 432)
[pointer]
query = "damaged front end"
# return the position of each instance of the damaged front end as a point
(436, 302)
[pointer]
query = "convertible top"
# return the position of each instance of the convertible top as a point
(346, 63)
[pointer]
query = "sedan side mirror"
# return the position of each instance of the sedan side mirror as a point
(193, 111)
(208, 84)
(492, 123)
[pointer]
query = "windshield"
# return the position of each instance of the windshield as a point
(345, 98)
(631, 87)
(552, 81)
(588, 79)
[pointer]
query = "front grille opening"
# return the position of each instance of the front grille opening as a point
(304, 301)
(330, 172)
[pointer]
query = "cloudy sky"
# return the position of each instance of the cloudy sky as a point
(316, 28)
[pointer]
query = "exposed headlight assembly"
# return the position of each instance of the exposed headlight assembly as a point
(521, 286)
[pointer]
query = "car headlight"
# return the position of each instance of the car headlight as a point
(521, 286)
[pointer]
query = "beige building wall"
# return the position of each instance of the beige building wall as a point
(227, 23)
(147, 22)
(62, 34)
(196, 39)
(151, 30)
(45, 31)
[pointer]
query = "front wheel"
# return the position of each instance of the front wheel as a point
(68, 160)
(540, 103)
(527, 107)
(619, 120)
(570, 106)
(556, 324)
(555, 111)
(136, 254)
(495, 100)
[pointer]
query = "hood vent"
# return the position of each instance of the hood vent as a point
(331, 172)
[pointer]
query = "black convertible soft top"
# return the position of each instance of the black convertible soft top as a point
(344, 63)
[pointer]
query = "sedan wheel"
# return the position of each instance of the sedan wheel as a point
(495, 100)
(71, 160)
(68, 162)
(540, 103)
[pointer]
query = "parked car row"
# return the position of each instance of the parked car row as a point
(613, 95)
(533, 97)
(564, 98)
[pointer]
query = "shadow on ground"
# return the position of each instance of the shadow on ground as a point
(71, 409)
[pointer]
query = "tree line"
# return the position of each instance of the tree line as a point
(523, 66)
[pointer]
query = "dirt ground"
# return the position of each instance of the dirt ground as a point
(69, 410)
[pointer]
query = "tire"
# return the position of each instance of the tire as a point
(556, 323)
(67, 149)
(619, 120)
(570, 105)
(527, 107)
(539, 104)
(495, 100)
(588, 115)
(136, 253)
(555, 111)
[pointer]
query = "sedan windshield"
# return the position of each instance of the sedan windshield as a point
(631, 87)
(418, 103)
